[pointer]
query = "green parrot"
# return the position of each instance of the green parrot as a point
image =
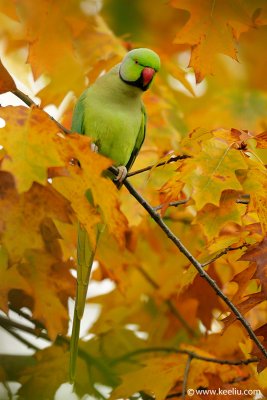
(112, 113)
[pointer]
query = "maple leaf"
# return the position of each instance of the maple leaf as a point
(87, 176)
(6, 81)
(50, 366)
(46, 29)
(27, 136)
(212, 28)
(210, 172)
(10, 279)
(156, 378)
(227, 212)
(22, 215)
(261, 140)
(51, 282)
(245, 306)
(257, 254)
(262, 333)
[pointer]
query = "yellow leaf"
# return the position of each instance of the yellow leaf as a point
(51, 285)
(42, 380)
(31, 141)
(156, 378)
(88, 176)
(212, 171)
(10, 279)
(22, 215)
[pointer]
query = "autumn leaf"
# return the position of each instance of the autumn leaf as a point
(7, 83)
(155, 378)
(212, 28)
(226, 213)
(246, 305)
(51, 285)
(27, 136)
(23, 215)
(257, 254)
(146, 299)
(261, 333)
(50, 366)
(210, 172)
(88, 177)
(10, 279)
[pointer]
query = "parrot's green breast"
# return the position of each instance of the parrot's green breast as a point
(114, 127)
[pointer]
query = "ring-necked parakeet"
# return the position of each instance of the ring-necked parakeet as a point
(112, 113)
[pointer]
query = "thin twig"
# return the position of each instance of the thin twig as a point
(175, 350)
(171, 204)
(156, 217)
(27, 317)
(9, 391)
(171, 160)
(186, 373)
(20, 338)
(30, 103)
(223, 252)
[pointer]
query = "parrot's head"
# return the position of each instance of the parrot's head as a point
(139, 67)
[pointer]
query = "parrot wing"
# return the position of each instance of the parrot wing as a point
(139, 141)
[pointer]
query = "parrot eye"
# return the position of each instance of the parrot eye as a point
(136, 62)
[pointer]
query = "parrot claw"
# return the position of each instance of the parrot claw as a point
(122, 174)
(94, 147)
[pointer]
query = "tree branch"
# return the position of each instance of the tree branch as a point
(171, 204)
(30, 103)
(156, 217)
(175, 350)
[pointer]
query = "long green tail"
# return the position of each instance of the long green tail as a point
(85, 259)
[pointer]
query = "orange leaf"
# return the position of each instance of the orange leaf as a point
(257, 254)
(7, 83)
(212, 28)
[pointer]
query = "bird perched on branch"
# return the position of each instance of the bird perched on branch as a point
(112, 113)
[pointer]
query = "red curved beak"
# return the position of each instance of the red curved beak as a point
(147, 75)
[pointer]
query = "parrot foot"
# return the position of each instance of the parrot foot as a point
(94, 147)
(122, 174)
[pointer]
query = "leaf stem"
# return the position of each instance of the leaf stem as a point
(223, 252)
